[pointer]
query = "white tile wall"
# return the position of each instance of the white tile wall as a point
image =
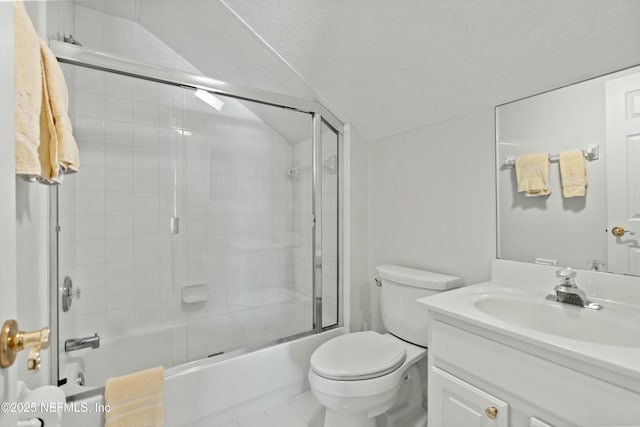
(225, 178)
(241, 228)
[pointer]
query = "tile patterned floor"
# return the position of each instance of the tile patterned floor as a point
(299, 411)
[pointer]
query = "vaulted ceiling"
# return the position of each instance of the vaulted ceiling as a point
(390, 66)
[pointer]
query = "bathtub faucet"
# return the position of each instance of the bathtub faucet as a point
(73, 344)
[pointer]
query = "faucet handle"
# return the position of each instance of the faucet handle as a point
(566, 276)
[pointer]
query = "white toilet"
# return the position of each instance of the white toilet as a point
(358, 376)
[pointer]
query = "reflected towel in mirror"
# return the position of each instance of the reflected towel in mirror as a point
(573, 173)
(532, 174)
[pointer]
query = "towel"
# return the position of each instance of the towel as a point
(532, 173)
(573, 173)
(135, 400)
(45, 147)
(63, 152)
(28, 93)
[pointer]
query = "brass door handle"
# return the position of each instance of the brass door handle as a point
(620, 231)
(12, 340)
(492, 412)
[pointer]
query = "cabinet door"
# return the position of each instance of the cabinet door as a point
(455, 403)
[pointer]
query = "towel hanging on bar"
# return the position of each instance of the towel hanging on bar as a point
(45, 147)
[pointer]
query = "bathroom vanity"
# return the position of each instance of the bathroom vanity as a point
(500, 354)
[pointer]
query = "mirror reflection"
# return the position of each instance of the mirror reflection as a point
(568, 166)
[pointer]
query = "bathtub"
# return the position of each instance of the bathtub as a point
(197, 391)
(258, 317)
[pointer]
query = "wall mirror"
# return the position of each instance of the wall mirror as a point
(601, 116)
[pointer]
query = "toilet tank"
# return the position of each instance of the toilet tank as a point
(400, 287)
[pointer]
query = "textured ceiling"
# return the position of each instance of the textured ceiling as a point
(389, 66)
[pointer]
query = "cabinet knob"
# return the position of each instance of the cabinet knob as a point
(492, 412)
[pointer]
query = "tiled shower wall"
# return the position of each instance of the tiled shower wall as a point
(224, 177)
(231, 192)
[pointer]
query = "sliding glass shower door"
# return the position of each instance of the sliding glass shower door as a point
(239, 235)
(189, 229)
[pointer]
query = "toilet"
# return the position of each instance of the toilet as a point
(359, 376)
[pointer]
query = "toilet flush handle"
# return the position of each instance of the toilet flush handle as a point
(378, 282)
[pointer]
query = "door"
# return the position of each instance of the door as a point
(623, 174)
(454, 403)
(7, 203)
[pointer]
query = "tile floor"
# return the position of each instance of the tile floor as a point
(299, 411)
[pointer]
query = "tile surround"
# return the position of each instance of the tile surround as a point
(149, 150)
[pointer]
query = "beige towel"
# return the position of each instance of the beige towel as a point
(573, 172)
(532, 173)
(63, 151)
(28, 95)
(45, 147)
(135, 400)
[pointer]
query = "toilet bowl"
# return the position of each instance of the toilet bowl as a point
(357, 376)
(354, 395)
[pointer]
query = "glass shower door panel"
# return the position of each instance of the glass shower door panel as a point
(240, 225)
(330, 238)
(113, 240)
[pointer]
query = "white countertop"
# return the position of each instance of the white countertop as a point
(611, 347)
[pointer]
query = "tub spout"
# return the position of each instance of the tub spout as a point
(73, 344)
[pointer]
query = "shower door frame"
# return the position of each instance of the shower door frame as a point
(83, 57)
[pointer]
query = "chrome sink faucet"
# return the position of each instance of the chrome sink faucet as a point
(568, 292)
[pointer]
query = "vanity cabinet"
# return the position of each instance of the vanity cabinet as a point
(480, 378)
(454, 402)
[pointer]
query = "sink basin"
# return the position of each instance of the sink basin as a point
(607, 326)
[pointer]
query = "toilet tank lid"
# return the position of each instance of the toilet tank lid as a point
(418, 278)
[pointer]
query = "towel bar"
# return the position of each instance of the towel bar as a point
(591, 152)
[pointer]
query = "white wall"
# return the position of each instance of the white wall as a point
(357, 194)
(432, 200)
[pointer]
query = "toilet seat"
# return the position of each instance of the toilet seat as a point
(358, 356)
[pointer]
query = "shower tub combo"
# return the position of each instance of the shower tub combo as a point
(203, 234)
